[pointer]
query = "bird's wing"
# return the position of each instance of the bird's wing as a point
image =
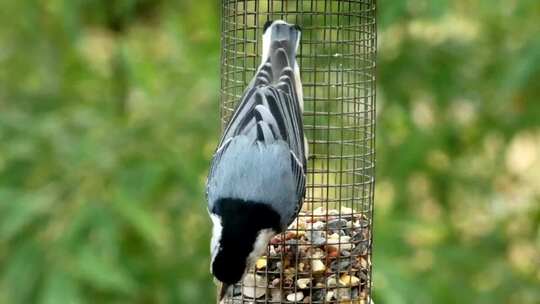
(270, 110)
(271, 98)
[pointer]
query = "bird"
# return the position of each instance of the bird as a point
(257, 178)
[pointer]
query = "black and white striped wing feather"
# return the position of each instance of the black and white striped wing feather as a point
(269, 111)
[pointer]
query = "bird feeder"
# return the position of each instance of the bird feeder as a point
(325, 255)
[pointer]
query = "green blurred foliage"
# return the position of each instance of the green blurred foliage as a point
(458, 150)
(109, 115)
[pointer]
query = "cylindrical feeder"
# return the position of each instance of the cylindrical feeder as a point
(325, 256)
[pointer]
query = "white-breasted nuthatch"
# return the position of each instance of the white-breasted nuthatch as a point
(256, 183)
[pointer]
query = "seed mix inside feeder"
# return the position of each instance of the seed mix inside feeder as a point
(325, 255)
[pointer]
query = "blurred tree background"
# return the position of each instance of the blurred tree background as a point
(109, 116)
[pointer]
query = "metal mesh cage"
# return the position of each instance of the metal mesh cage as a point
(325, 256)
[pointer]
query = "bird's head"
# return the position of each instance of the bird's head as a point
(241, 232)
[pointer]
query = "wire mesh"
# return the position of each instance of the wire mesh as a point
(325, 256)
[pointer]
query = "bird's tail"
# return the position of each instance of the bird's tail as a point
(280, 43)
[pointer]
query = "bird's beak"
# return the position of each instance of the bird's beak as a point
(223, 291)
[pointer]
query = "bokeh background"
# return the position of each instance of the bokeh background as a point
(109, 116)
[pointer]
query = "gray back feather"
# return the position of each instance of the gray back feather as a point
(261, 155)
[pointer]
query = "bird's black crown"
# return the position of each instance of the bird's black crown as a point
(242, 221)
